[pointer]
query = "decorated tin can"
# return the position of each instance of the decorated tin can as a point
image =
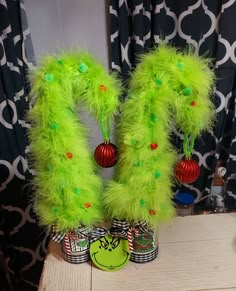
(75, 245)
(144, 244)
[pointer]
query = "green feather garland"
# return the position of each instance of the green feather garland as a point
(167, 86)
(67, 189)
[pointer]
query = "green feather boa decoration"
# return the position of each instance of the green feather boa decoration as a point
(67, 189)
(166, 86)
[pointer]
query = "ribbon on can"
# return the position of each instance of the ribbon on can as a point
(142, 227)
(97, 233)
(119, 228)
(127, 230)
(57, 236)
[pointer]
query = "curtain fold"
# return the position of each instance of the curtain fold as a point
(137, 26)
(22, 243)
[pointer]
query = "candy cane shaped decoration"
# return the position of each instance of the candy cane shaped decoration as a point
(131, 232)
(67, 245)
(67, 189)
(166, 87)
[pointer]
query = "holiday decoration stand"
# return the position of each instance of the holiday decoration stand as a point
(67, 187)
(168, 88)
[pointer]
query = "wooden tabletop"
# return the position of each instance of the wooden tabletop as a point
(195, 253)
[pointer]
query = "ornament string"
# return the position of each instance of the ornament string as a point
(188, 145)
(105, 128)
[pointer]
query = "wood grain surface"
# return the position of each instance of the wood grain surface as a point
(195, 253)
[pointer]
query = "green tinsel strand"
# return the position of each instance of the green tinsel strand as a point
(68, 191)
(188, 145)
(166, 86)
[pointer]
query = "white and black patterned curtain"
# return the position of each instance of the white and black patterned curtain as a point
(208, 26)
(22, 243)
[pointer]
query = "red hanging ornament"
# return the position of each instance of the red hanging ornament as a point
(106, 154)
(187, 171)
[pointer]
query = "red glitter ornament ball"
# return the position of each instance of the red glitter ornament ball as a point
(187, 171)
(106, 154)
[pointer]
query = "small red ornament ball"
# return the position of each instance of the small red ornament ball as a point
(187, 171)
(106, 154)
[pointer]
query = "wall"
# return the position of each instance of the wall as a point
(66, 24)
(58, 24)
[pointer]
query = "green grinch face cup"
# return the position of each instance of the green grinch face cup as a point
(110, 253)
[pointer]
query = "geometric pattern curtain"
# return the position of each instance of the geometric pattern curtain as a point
(22, 243)
(137, 26)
